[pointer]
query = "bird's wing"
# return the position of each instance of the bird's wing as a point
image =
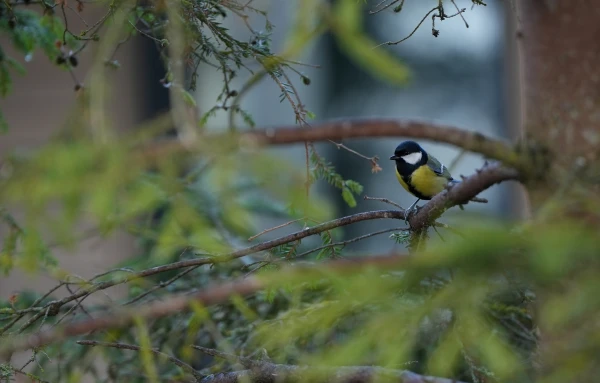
(438, 168)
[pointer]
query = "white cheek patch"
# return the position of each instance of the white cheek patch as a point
(413, 158)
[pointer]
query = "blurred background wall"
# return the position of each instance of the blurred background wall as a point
(458, 78)
(37, 109)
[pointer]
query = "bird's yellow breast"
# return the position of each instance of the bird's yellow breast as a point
(423, 182)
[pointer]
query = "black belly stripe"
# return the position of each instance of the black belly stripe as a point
(412, 189)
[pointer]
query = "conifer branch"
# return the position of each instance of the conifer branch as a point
(424, 217)
(219, 293)
(53, 308)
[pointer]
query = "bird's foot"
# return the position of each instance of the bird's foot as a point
(408, 212)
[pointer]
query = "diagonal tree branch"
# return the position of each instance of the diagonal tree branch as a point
(52, 308)
(460, 194)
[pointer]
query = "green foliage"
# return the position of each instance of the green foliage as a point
(33, 31)
(7, 64)
(324, 170)
(28, 31)
(347, 22)
(329, 251)
(471, 307)
(452, 314)
(205, 40)
(145, 352)
(402, 237)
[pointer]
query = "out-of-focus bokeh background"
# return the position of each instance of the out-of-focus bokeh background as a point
(458, 78)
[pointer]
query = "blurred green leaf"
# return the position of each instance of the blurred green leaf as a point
(348, 30)
(348, 197)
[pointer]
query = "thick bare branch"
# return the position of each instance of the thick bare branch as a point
(282, 373)
(265, 372)
(380, 127)
(460, 194)
(340, 129)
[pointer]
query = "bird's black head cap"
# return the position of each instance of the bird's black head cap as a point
(408, 156)
(407, 147)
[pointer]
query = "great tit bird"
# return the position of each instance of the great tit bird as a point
(421, 174)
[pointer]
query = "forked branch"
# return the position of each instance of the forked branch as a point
(460, 193)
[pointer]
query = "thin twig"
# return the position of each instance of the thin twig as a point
(158, 41)
(246, 362)
(218, 293)
(386, 6)
(307, 164)
(456, 160)
(32, 377)
(460, 12)
(52, 307)
(411, 33)
(373, 160)
(78, 15)
(62, 8)
(123, 346)
(344, 243)
(161, 285)
(274, 228)
(385, 200)
(21, 313)
(449, 228)
(438, 233)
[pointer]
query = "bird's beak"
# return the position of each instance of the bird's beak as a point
(394, 158)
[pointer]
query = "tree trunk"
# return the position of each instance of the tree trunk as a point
(560, 90)
(559, 54)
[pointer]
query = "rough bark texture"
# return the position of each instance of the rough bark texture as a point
(560, 89)
(560, 86)
(561, 73)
